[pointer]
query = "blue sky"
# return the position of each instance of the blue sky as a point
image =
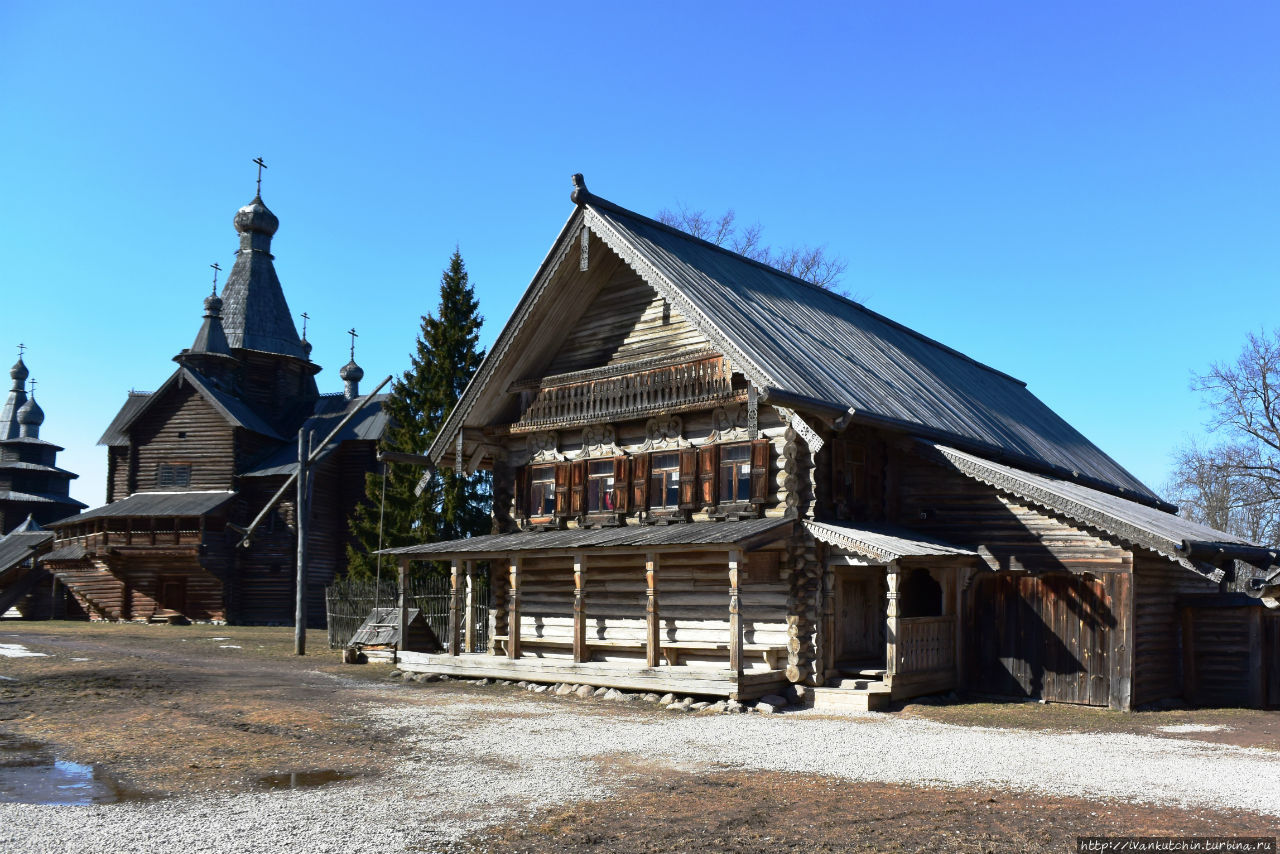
(1084, 195)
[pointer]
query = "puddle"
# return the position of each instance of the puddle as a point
(29, 774)
(302, 779)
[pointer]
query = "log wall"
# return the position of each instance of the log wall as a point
(1157, 653)
(182, 428)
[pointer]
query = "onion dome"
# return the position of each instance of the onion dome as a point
(256, 218)
(19, 372)
(351, 374)
(30, 417)
(30, 414)
(212, 305)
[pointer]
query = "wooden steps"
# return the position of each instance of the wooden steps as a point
(858, 696)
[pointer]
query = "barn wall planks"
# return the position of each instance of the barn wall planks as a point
(1157, 666)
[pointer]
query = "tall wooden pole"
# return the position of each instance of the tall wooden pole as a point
(404, 608)
(300, 602)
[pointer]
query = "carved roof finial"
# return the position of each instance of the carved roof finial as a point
(580, 192)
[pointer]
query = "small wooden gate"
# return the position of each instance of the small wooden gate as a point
(1045, 636)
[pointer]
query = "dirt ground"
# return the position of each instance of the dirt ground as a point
(755, 813)
(170, 711)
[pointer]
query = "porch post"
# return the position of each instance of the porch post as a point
(580, 652)
(469, 607)
(404, 608)
(653, 628)
(735, 615)
(891, 625)
(455, 609)
(513, 609)
(497, 580)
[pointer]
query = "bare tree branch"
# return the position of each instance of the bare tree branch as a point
(811, 263)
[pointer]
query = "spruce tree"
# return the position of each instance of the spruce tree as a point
(451, 506)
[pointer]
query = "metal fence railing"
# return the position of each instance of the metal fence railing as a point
(349, 602)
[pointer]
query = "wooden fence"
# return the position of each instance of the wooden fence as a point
(349, 602)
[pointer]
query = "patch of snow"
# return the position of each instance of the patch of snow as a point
(228, 646)
(17, 650)
(219, 638)
(79, 659)
(7, 679)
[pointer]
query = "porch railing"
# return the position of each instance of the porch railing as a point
(926, 643)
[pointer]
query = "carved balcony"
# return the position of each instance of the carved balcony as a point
(621, 392)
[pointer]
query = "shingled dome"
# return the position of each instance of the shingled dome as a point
(255, 315)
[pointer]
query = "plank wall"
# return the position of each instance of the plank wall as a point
(1157, 667)
(626, 321)
(207, 443)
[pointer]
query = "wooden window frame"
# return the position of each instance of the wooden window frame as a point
(179, 475)
(525, 487)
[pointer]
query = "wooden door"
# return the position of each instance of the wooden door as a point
(173, 595)
(1047, 637)
(860, 617)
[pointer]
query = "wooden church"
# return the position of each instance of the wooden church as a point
(712, 477)
(191, 464)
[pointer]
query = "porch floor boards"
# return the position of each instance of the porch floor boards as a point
(682, 679)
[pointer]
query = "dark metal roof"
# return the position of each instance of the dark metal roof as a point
(17, 546)
(236, 411)
(115, 435)
(884, 543)
(792, 336)
(1138, 524)
(369, 425)
(156, 504)
(749, 533)
(39, 498)
(23, 466)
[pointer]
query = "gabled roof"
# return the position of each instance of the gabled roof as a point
(1181, 540)
(235, 411)
(808, 348)
(883, 543)
(369, 425)
(22, 543)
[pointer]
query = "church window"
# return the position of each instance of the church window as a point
(173, 474)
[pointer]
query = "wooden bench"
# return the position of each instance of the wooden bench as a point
(673, 650)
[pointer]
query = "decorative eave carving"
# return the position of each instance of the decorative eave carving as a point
(797, 422)
(730, 424)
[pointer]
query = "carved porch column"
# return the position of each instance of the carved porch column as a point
(513, 608)
(735, 613)
(469, 608)
(891, 624)
(580, 651)
(455, 609)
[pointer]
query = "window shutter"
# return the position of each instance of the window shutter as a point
(562, 489)
(640, 482)
(688, 479)
(621, 484)
(759, 471)
(523, 498)
(578, 488)
(708, 474)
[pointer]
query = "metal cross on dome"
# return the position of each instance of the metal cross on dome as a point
(261, 166)
(33, 387)
(216, 269)
(22, 348)
(354, 335)
(305, 317)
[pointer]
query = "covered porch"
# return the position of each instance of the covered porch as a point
(890, 610)
(693, 608)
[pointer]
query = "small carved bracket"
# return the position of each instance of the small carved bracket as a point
(666, 432)
(544, 447)
(599, 440)
(584, 249)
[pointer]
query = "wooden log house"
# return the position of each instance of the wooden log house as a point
(192, 463)
(715, 478)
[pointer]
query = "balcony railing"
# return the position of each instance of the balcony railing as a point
(668, 388)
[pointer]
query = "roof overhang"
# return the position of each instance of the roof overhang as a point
(746, 535)
(155, 504)
(883, 545)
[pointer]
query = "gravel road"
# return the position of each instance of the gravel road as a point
(489, 759)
